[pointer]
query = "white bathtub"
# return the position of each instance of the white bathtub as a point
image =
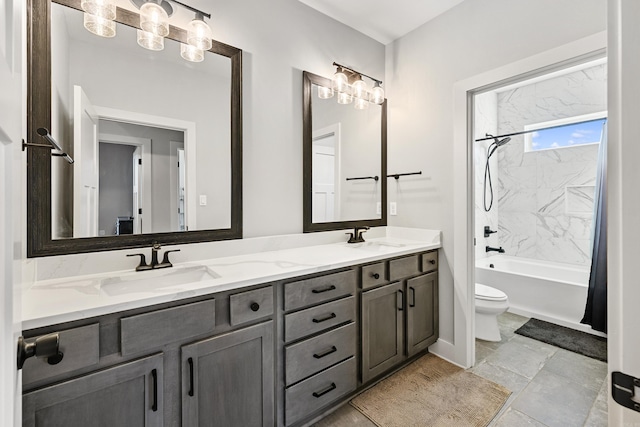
(550, 291)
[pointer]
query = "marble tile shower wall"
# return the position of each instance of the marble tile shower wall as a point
(486, 122)
(545, 198)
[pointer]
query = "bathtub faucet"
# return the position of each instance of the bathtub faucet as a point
(490, 249)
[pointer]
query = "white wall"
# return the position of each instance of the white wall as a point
(422, 68)
(546, 196)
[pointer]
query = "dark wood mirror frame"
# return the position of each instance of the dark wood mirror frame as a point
(39, 239)
(309, 79)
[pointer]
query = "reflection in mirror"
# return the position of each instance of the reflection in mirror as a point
(344, 161)
(157, 141)
(128, 115)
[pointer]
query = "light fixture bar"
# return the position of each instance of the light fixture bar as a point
(193, 9)
(355, 72)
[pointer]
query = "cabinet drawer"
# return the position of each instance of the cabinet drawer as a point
(313, 355)
(316, 319)
(404, 267)
(318, 289)
(319, 390)
(374, 275)
(153, 330)
(430, 261)
(80, 346)
(251, 305)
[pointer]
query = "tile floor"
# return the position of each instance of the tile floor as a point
(550, 386)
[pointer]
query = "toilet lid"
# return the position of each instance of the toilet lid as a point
(488, 293)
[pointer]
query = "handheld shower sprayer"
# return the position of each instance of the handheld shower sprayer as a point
(487, 169)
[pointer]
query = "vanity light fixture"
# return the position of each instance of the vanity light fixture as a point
(154, 18)
(357, 90)
(199, 33)
(150, 41)
(154, 24)
(99, 17)
(191, 53)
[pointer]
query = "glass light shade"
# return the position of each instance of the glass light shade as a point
(377, 94)
(359, 88)
(150, 41)
(102, 8)
(191, 53)
(325, 92)
(199, 34)
(99, 26)
(154, 19)
(361, 104)
(345, 98)
(340, 81)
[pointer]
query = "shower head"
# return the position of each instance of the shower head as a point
(502, 141)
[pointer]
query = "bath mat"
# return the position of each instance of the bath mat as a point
(432, 392)
(577, 341)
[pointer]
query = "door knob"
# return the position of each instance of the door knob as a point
(46, 346)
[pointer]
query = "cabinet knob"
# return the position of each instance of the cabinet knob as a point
(254, 306)
(432, 261)
(375, 276)
(47, 346)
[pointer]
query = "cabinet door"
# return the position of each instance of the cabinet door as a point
(422, 312)
(228, 380)
(125, 395)
(382, 329)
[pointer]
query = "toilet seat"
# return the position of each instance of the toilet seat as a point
(487, 293)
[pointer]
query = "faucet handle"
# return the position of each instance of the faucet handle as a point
(165, 257)
(143, 262)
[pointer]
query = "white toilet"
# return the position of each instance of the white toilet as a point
(490, 302)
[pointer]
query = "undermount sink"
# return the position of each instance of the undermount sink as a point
(151, 280)
(376, 246)
(134, 282)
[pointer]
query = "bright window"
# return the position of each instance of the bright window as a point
(569, 132)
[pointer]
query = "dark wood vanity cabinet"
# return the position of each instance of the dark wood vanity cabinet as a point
(283, 354)
(399, 319)
(127, 395)
(208, 362)
(227, 380)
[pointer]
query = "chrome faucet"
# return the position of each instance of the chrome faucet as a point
(356, 236)
(490, 249)
(143, 266)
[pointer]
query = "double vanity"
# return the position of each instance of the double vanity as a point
(270, 338)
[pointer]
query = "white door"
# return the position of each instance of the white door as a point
(137, 194)
(85, 172)
(325, 181)
(12, 162)
(623, 205)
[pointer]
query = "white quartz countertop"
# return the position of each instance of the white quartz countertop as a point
(55, 301)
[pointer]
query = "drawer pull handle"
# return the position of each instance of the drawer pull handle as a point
(154, 375)
(413, 296)
(327, 289)
(401, 292)
(375, 276)
(190, 361)
(325, 391)
(432, 261)
(254, 306)
(333, 349)
(324, 319)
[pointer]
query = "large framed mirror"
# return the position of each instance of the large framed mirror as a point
(156, 141)
(345, 161)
